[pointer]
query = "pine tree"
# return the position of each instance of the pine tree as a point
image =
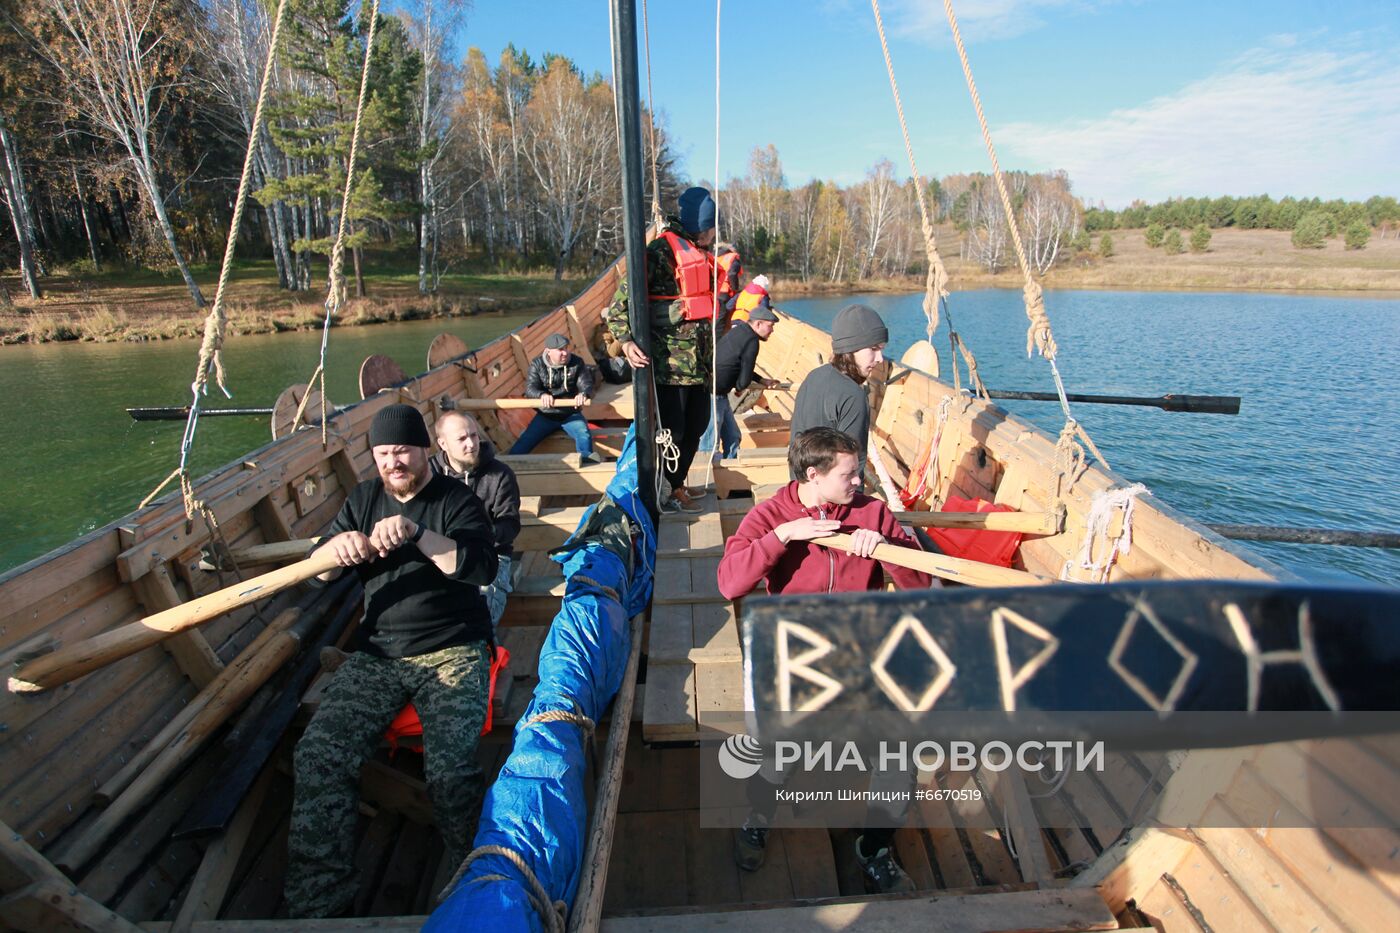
(1154, 234)
(1106, 246)
(313, 124)
(1358, 235)
(1200, 238)
(1172, 242)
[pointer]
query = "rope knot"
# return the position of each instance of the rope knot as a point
(1038, 335)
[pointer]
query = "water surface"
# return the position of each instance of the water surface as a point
(1317, 439)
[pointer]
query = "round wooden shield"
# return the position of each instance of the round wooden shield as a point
(379, 372)
(923, 357)
(444, 349)
(284, 411)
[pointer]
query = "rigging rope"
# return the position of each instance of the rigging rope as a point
(714, 285)
(936, 282)
(336, 287)
(211, 349)
(657, 217)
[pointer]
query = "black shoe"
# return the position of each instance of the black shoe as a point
(881, 868)
(750, 846)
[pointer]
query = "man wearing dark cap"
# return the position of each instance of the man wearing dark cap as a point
(734, 362)
(422, 546)
(833, 396)
(558, 374)
(681, 305)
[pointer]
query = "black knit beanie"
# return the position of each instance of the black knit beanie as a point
(399, 425)
(855, 328)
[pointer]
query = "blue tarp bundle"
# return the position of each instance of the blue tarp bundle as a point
(537, 806)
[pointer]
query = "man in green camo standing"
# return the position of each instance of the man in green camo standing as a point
(680, 286)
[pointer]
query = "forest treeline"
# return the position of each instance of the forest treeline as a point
(123, 126)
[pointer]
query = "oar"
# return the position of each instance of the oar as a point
(1200, 404)
(182, 412)
(1383, 539)
(462, 404)
(65, 664)
(972, 572)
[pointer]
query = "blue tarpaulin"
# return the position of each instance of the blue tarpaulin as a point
(537, 806)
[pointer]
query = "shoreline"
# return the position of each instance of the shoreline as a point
(144, 307)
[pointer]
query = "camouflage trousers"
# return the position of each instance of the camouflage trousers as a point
(449, 689)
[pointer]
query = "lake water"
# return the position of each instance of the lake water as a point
(1317, 441)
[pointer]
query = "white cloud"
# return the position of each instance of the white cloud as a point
(925, 20)
(1283, 119)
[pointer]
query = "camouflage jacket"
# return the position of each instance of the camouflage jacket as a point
(681, 350)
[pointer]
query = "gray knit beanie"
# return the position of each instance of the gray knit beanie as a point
(398, 425)
(855, 328)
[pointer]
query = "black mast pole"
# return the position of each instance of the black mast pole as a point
(627, 89)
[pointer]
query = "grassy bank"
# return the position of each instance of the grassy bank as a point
(143, 305)
(1255, 260)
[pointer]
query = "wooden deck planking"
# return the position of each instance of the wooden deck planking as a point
(977, 913)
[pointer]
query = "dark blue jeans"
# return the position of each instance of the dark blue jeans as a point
(576, 426)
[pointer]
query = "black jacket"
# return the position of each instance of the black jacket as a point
(565, 381)
(734, 358)
(495, 485)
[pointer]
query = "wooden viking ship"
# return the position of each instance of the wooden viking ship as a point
(106, 769)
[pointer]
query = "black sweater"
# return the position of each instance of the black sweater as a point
(496, 486)
(412, 607)
(734, 358)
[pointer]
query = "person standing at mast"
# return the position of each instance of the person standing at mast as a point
(681, 302)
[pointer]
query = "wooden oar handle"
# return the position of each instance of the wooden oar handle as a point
(504, 404)
(940, 565)
(65, 664)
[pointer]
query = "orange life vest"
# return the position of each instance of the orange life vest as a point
(749, 298)
(694, 269)
(726, 262)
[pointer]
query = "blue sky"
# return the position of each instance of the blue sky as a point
(1134, 98)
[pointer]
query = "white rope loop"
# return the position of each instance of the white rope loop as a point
(1096, 526)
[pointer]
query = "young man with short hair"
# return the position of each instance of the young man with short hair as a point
(773, 545)
(558, 374)
(833, 395)
(466, 454)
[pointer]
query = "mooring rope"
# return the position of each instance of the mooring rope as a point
(1096, 525)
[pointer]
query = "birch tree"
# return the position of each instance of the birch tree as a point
(119, 63)
(567, 141)
(12, 188)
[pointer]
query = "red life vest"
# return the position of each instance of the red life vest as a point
(407, 725)
(694, 271)
(727, 261)
(749, 298)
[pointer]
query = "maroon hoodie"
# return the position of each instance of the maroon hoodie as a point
(754, 553)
